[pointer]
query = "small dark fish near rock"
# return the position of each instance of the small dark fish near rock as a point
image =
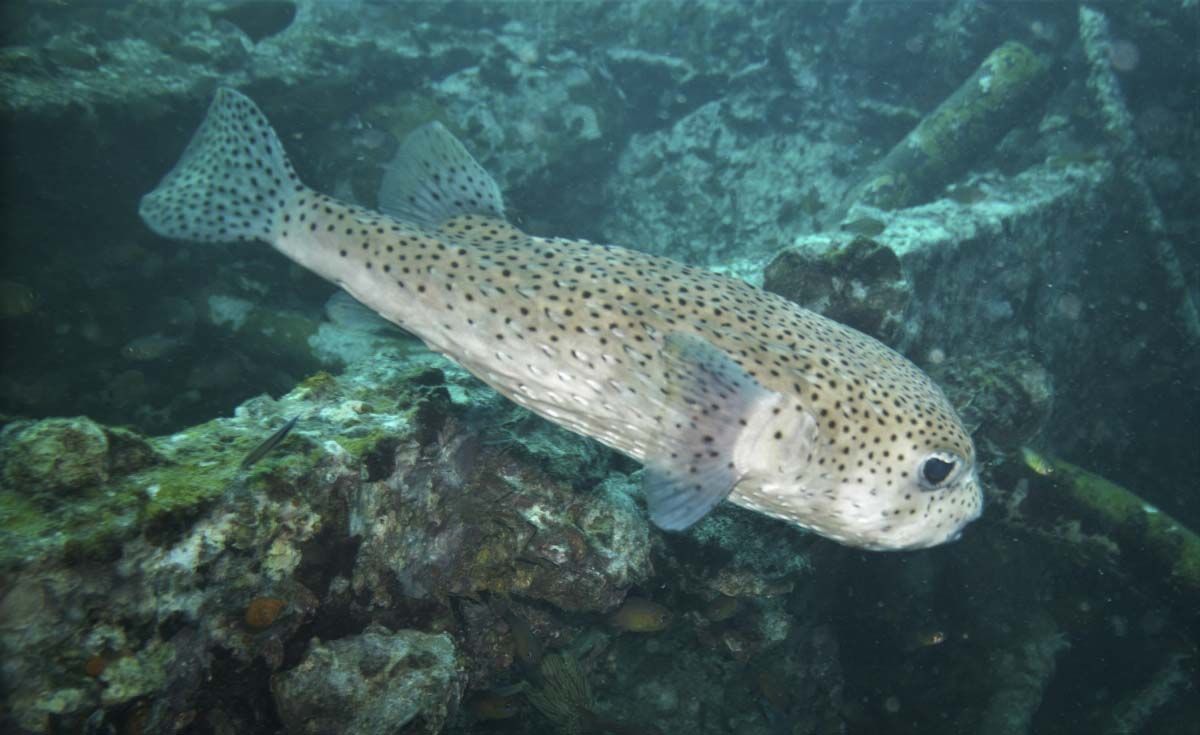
(967, 193)
(639, 615)
(272, 441)
(151, 347)
(491, 706)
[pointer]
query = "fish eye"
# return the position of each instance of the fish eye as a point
(936, 468)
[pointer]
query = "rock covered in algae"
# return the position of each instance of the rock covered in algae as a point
(859, 283)
(374, 683)
(66, 456)
(404, 485)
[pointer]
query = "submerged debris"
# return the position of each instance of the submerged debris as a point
(1001, 92)
(1133, 523)
(1099, 48)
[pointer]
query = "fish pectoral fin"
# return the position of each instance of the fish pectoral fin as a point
(433, 178)
(679, 499)
(709, 401)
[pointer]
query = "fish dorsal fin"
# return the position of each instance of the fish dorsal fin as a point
(433, 178)
(714, 402)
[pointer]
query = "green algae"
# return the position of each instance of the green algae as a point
(141, 673)
(57, 456)
(189, 472)
(318, 385)
(87, 528)
(60, 488)
(1007, 76)
(366, 444)
(177, 494)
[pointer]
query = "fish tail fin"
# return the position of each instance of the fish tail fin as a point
(233, 182)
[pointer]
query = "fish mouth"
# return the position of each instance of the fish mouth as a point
(936, 537)
(972, 483)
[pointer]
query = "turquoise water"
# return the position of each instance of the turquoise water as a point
(1002, 193)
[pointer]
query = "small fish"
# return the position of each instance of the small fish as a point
(966, 193)
(1084, 158)
(721, 608)
(777, 692)
(151, 347)
(639, 615)
(179, 314)
(865, 226)
(527, 647)
(16, 299)
(925, 639)
(811, 202)
(271, 442)
(488, 706)
(220, 372)
(1037, 462)
(722, 390)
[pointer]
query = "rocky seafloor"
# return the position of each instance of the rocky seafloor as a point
(1001, 193)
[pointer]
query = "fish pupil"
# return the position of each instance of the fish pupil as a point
(936, 470)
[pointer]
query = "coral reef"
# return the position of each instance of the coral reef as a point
(376, 525)
(565, 698)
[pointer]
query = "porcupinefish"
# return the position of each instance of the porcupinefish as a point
(720, 389)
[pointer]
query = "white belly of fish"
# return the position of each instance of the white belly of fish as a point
(592, 402)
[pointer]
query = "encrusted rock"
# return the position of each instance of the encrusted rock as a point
(859, 283)
(57, 456)
(390, 497)
(372, 684)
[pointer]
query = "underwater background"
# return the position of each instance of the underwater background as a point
(1004, 192)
